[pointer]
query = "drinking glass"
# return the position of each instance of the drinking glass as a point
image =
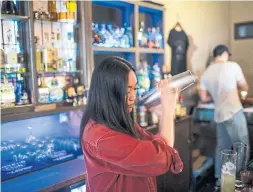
(242, 156)
(228, 170)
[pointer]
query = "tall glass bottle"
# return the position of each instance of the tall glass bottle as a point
(52, 10)
(158, 38)
(43, 91)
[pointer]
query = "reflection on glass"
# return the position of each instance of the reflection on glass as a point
(47, 141)
(13, 64)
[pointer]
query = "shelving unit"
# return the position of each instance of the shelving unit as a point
(13, 17)
(115, 12)
(26, 24)
(52, 119)
(112, 49)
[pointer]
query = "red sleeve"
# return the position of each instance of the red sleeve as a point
(147, 135)
(131, 156)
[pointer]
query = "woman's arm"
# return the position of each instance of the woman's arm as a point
(166, 111)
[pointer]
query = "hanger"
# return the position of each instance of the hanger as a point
(178, 26)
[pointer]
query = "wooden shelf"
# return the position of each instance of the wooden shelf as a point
(60, 72)
(151, 50)
(52, 21)
(114, 49)
(13, 17)
(28, 111)
(151, 5)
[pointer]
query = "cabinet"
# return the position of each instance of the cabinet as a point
(52, 52)
(44, 58)
(132, 30)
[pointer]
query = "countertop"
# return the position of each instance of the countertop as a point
(48, 179)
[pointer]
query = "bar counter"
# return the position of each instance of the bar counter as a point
(63, 175)
(49, 179)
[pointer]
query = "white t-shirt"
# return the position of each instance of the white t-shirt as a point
(221, 80)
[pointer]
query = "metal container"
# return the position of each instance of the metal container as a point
(182, 81)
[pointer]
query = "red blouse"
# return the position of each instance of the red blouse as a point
(116, 162)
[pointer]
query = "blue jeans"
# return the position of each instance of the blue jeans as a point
(227, 133)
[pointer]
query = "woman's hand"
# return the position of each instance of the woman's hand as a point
(169, 96)
(168, 99)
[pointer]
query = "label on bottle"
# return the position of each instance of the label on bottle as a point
(43, 96)
(72, 6)
(38, 60)
(56, 94)
(12, 57)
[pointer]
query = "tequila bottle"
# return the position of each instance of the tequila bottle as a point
(142, 36)
(56, 93)
(158, 38)
(7, 93)
(43, 91)
(130, 36)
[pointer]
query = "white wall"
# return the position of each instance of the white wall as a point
(242, 50)
(206, 24)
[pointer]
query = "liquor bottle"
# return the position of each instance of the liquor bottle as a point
(110, 29)
(106, 35)
(19, 89)
(183, 110)
(97, 38)
(52, 10)
(71, 10)
(39, 65)
(20, 92)
(124, 40)
(158, 38)
(142, 35)
(55, 93)
(155, 74)
(47, 54)
(117, 36)
(61, 10)
(130, 36)
(3, 7)
(11, 53)
(71, 96)
(43, 91)
(142, 113)
(151, 42)
(54, 52)
(9, 7)
(67, 85)
(110, 40)
(7, 93)
(79, 89)
(2, 58)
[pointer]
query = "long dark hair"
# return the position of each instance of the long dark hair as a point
(107, 102)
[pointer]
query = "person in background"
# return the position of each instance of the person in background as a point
(220, 83)
(119, 155)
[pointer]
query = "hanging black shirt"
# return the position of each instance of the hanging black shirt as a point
(178, 41)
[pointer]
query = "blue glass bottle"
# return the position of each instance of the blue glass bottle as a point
(19, 89)
(158, 38)
(130, 36)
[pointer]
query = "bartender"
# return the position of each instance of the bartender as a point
(220, 83)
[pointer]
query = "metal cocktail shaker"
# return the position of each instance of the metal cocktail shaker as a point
(182, 81)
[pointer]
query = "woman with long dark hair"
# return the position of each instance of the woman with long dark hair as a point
(120, 156)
